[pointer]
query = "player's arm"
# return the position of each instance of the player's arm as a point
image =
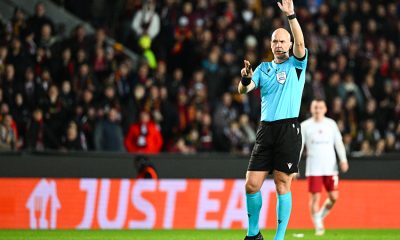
(299, 49)
(341, 150)
(246, 84)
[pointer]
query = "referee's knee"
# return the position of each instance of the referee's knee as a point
(282, 186)
(252, 187)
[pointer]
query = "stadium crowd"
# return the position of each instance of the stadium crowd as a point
(76, 92)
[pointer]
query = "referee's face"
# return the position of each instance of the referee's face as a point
(318, 109)
(280, 43)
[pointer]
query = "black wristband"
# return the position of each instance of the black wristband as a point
(246, 81)
(293, 16)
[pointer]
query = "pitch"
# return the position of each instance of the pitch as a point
(359, 234)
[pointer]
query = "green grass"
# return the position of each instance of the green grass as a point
(353, 234)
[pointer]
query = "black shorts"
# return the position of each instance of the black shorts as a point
(278, 146)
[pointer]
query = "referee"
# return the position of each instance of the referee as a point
(278, 143)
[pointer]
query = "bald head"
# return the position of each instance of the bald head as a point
(280, 44)
(281, 33)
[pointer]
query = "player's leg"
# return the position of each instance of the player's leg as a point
(284, 201)
(314, 202)
(254, 181)
(328, 203)
(315, 187)
(331, 186)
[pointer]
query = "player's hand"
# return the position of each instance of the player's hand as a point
(286, 6)
(344, 166)
(247, 71)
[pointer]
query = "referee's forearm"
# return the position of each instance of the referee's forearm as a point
(243, 89)
(297, 32)
(299, 46)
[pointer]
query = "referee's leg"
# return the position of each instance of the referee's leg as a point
(283, 182)
(254, 181)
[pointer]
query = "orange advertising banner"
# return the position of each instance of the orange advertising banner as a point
(28, 203)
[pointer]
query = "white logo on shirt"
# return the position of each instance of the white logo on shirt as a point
(289, 165)
(281, 77)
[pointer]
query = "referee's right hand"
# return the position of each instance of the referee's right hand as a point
(247, 71)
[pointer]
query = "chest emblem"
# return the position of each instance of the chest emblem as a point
(281, 77)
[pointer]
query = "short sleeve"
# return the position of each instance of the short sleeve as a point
(257, 76)
(300, 63)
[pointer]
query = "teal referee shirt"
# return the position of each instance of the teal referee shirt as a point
(281, 86)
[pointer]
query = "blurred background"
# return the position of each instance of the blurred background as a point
(161, 76)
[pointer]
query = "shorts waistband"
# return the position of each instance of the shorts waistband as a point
(280, 121)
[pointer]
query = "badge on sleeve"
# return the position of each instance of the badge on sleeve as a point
(281, 77)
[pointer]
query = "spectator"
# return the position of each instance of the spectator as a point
(8, 134)
(79, 39)
(9, 84)
(109, 99)
(170, 118)
(369, 133)
(347, 87)
(67, 98)
(18, 23)
(73, 140)
(100, 64)
(39, 135)
(206, 136)
(131, 107)
(39, 19)
(30, 89)
(365, 150)
(249, 135)
(46, 40)
(86, 80)
(147, 20)
(234, 136)
(224, 114)
(54, 114)
(87, 121)
(108, 133)
(380, 147)
(391, 145)
(144, 136)
(123, 82)
(21, 115)
(181, 146)
(64, 68)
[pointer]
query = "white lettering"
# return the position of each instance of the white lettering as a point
(236, 208)
(142, 204)
(206, 205)
(171, 187)
(90, 186)
(122, 205)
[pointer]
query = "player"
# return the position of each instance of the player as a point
(278, 141)
(321, 136)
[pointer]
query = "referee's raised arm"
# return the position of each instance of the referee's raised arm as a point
(299, 49)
